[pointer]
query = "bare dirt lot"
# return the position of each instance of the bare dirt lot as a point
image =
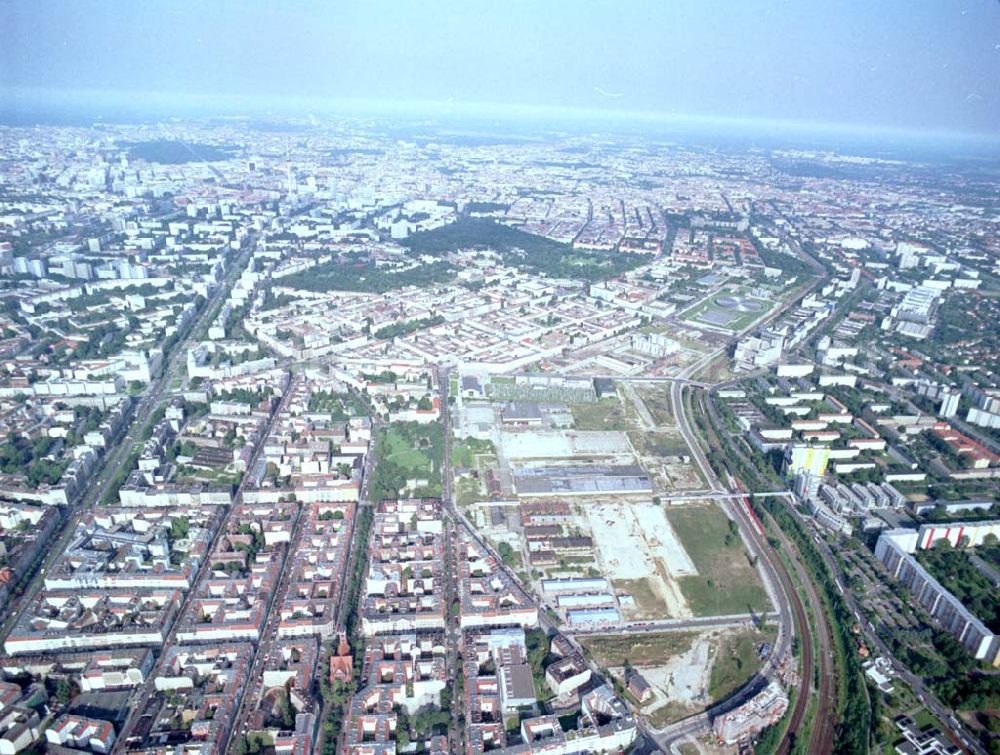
(638, 550)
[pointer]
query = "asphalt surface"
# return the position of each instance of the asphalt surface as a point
(453, 631)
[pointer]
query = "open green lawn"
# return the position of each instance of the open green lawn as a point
(412, 459)
(726, 582)
(643, 649)
(924, 717)
(604, 414)
(736, 662)
(691, 313)
(739, 321)
(414, 447)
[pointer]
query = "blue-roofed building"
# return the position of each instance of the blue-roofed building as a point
(594, 616)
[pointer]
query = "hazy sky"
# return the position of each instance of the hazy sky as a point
(915, 64)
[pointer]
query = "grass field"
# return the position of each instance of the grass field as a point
(726, 582)
(468, 490)
(657, 400)
(647, 602)
(668, 714)
(659, 444)
(639, 649)
(736, 662)
(218, 477)
(717, 371)
(415, 448)
(604, 414)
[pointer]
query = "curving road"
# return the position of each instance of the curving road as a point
(781, 589)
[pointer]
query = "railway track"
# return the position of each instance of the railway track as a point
(823, 732)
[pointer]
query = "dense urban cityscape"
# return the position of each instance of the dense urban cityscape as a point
(357, 436)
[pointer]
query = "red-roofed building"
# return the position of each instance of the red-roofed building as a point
(980, 457)
(342, 664)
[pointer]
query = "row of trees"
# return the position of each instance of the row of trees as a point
(336, 695)
(407, 326)
(939, 444)
(856, 722)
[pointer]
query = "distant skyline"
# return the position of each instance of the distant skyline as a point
(928, 65)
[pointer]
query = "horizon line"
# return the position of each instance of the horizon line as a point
(223, 104)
